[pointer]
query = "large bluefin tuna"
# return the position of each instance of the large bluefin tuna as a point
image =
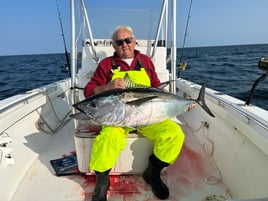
(135, 107)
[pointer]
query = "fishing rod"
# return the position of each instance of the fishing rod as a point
(63, 37)
(183, 64)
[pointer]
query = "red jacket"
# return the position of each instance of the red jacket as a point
(103, 73)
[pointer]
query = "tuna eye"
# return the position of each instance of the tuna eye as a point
(93, 104)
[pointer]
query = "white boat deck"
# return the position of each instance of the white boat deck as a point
(192, 177)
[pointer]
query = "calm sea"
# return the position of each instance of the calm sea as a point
(228, 69)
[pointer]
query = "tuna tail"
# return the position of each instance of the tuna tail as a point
(201, 100)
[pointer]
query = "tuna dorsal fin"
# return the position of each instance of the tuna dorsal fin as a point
(140, 100)
(164, 84)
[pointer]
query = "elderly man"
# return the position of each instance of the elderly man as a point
(167, 136)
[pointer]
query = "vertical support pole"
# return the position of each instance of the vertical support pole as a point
(73, 46)
(173, 48)
(73, 57)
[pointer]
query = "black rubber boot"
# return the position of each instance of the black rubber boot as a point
(102, 186)
(152, 177)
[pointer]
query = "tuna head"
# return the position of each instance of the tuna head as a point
(103, 110)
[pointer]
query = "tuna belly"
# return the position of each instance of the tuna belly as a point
(148, 113)
(109, 114)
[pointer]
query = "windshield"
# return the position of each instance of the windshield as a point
(144, 22)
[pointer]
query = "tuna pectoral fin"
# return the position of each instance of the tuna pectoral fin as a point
(201, 100)
(140, 100)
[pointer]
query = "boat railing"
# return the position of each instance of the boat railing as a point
(263, 64)
(17, 107)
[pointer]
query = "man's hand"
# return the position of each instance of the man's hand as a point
(118, 83)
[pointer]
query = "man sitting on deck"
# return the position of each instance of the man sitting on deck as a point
(167, 136)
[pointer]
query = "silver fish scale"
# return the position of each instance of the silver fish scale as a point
(118, 109)
(137, 107)
(153, 111)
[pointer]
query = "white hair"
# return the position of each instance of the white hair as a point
(122, 27)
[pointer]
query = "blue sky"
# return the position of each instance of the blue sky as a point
(32, 26)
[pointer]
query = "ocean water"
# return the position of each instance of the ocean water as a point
(230, 70)
(19, 74)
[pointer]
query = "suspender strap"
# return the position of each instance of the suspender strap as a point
(139, 64)
(114, 64)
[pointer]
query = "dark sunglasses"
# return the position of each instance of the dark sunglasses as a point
(126, 40)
